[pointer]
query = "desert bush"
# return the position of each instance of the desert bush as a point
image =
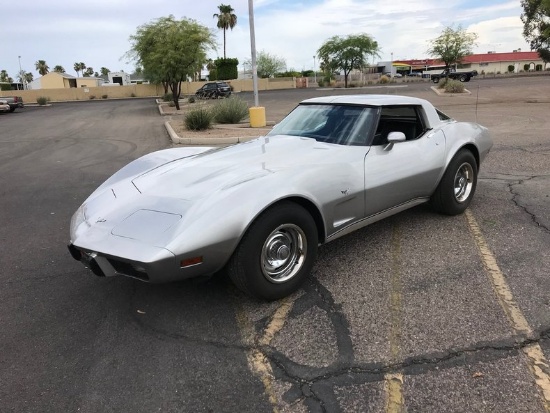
(384, 79)
(454, 86)
(191, 99)
(168, 97)
(510, 68)
(320, 83)
(92, 96)
(442, 83)
(171, 104)
(526, 67)
(42, 100)
(104, 96)
(132, 95)
(198, 119)
(230, 110)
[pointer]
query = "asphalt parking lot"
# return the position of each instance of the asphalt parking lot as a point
(416, 313)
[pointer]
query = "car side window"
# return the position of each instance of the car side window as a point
(399, 118)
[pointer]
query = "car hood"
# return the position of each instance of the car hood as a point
(218, 169)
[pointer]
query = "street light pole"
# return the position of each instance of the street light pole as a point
(314, 70)
(21, 74)
(253, 52)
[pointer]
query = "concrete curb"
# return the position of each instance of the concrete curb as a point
(205, 141)
(443, 93)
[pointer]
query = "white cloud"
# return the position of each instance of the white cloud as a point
(97, 33)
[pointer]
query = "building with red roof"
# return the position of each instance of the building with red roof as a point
(491, 62)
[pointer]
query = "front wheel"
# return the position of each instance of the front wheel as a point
(276, 254)
(463, 78)
(457, 187)
(435, 79)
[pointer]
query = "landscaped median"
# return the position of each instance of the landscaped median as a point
(218, 134)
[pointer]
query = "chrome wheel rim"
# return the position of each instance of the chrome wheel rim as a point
(283, 253)
(463, 182)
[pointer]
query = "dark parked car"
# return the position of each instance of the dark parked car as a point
(214, 90)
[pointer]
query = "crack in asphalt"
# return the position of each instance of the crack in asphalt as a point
(316, 385)
(516, 200)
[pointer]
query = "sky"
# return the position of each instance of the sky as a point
(97, 32)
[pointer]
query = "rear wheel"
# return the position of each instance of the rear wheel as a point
(435, 79)
(463, 78)
(457, 187)
(276, 254)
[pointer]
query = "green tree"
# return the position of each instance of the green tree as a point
(170, 50)
(452, 45)
(28, 77)
(226, 20)
(347, 53)
(104, 71)
(42, 67)
(89, 72)
(536, 26)
(59, 69)
(79, 67)
(268, 65)
(4, 75)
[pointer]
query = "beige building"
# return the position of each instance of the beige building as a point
(484, 63)
(55, 80)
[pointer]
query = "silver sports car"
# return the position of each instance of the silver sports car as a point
(260, 209)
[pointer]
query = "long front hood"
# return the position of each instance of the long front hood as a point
(198, 176)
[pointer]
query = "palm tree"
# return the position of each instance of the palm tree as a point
(59, 69)
(42, 67)
(3, 75)
(226, 20)
(29, 77)
(79, 67)
(104, 71)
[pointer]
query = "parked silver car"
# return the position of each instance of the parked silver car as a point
(260, 209)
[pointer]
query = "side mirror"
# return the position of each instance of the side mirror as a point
(394, 137)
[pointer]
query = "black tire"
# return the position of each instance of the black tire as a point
(435, 79)
(458, 185)
(12, 109)
(276, 254)
(464, 78)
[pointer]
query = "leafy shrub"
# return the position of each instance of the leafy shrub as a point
(171, 104)
(384, 79)
(198, 119)
(352, 85)
(526, 67)
(104, 96)
(320, 82)
(538, 68)
(168, 97)
(230, 110)
(132, 95)
(191, 99)
(92, 96)
(42, 100)
(510, 68)
(442, 83)
(454, 86)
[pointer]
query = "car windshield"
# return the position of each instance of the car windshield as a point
(339, 124)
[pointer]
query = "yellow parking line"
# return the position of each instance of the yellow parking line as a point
(394, 381)
(257, 361)
(536, 361)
